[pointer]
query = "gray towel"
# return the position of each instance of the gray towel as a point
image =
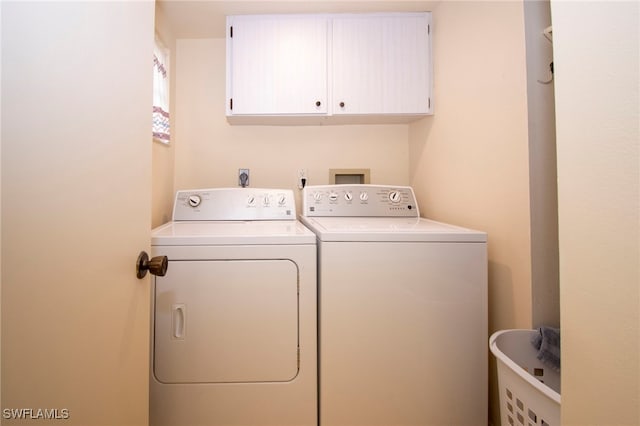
(547, 342)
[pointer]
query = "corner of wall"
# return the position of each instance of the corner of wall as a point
(545, 292)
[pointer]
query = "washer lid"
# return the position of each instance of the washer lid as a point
(389, 229)
(231, 233)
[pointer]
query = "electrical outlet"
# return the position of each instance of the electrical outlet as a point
(302, 180)
(243, 177)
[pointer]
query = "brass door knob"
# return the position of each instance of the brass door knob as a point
(156, 266)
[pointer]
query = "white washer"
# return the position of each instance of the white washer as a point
(234, 318)
(402, 311)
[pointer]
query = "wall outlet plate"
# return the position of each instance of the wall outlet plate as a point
(301, 179)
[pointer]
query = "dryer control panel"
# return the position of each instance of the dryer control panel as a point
(234, 204)
(359, 201)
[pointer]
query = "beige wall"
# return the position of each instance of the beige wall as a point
(469, 163)
(209, 151)
(596, 49)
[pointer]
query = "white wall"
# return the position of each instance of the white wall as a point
(209, 151)
(596, 50)
(469, 163)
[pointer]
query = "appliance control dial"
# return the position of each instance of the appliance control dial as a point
(395, 197)
(282, 199)
(251, 200)
(333, 196)
(364, 196)
(194, 200)
(317, 196)
(348, 196)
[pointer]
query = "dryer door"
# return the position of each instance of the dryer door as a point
(226, 321)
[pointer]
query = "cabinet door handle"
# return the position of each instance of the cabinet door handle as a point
(318, 103)
(341, 104)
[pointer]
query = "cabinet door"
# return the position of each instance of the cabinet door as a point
(276, 65)
(357, 56)
(406, 69)
(381, 64)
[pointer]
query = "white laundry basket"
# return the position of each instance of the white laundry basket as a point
(529, 389)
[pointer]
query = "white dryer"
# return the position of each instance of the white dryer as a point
(402, 311)
(234, 318)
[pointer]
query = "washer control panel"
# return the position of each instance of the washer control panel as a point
(234, 204)
(359, 201)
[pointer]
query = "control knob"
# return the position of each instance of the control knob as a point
(395, 197)
(348, 196)
(333, 196)
(364, 196)
(194, 200)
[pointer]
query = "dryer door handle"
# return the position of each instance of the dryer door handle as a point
(157, 265)
(178, 312)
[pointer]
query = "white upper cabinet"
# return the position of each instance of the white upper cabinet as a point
(276, 65)
(336, 66)
(381, 64)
